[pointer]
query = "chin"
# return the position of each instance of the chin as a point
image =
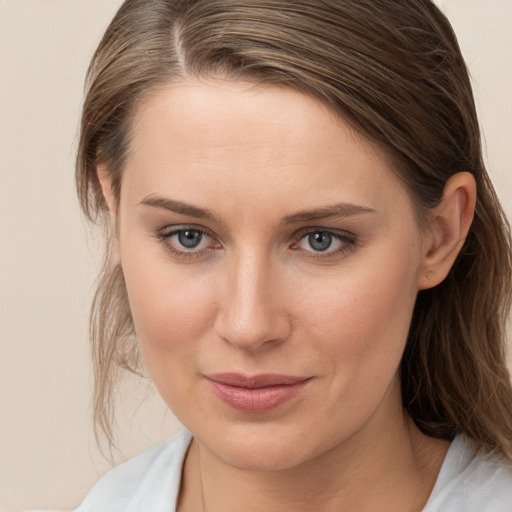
(253, 448)
(266, 458)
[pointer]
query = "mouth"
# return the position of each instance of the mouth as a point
(258, 393)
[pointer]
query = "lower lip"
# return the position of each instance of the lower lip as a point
(256, 400)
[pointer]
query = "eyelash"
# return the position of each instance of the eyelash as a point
(164, 237)
(349, 241)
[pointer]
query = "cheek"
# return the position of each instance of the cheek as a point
(171, 310)
(361, 320)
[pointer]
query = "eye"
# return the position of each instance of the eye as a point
(186, 241)
(319, 241)
(189, 239)
(325, 242)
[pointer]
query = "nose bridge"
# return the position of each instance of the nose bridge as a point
(250, 314)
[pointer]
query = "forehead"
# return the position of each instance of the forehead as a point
(207, 137)
(224, 111)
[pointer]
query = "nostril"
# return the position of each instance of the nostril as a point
(252, 332)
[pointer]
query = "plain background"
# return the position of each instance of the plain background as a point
(49, 259)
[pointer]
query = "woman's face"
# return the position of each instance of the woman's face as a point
(272, 262)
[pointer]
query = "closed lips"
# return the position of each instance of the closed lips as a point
(256, 394)
(256, 381)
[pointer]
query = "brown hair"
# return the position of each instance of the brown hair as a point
(394, 71)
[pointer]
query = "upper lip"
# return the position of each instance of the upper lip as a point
(255, 381)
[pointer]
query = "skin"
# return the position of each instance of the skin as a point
(255, 296)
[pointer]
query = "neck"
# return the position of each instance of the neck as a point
(392, 467)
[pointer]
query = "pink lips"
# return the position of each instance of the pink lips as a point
(255, 394)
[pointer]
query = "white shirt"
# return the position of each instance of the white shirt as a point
(150, 482)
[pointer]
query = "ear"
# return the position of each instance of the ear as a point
(110, 199)
(106, 187)
(449, 226)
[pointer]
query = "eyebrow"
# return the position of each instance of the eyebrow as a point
(178, 207)
(336, 210)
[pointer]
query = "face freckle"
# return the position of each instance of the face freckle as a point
(260, 236)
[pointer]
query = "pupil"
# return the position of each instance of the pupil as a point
(190, 239)
(320, 241)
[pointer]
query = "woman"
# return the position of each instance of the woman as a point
(306, 247)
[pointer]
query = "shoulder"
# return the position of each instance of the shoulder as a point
(149, 481)
(471, 481)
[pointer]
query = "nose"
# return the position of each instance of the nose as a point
(252, 313)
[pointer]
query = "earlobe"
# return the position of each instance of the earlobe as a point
(106, 187)
(449, 226)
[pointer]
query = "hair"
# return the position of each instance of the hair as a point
(395, 73)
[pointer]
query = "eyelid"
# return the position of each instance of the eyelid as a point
(337, 233)
(164, 234)
(169, 229)
(349, 240)
(172, 229)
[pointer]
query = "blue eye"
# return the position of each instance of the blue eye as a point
(187, 241)
(327, 242)
(188, 238)
(320, 241)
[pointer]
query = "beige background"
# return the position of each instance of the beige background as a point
(48, 260)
